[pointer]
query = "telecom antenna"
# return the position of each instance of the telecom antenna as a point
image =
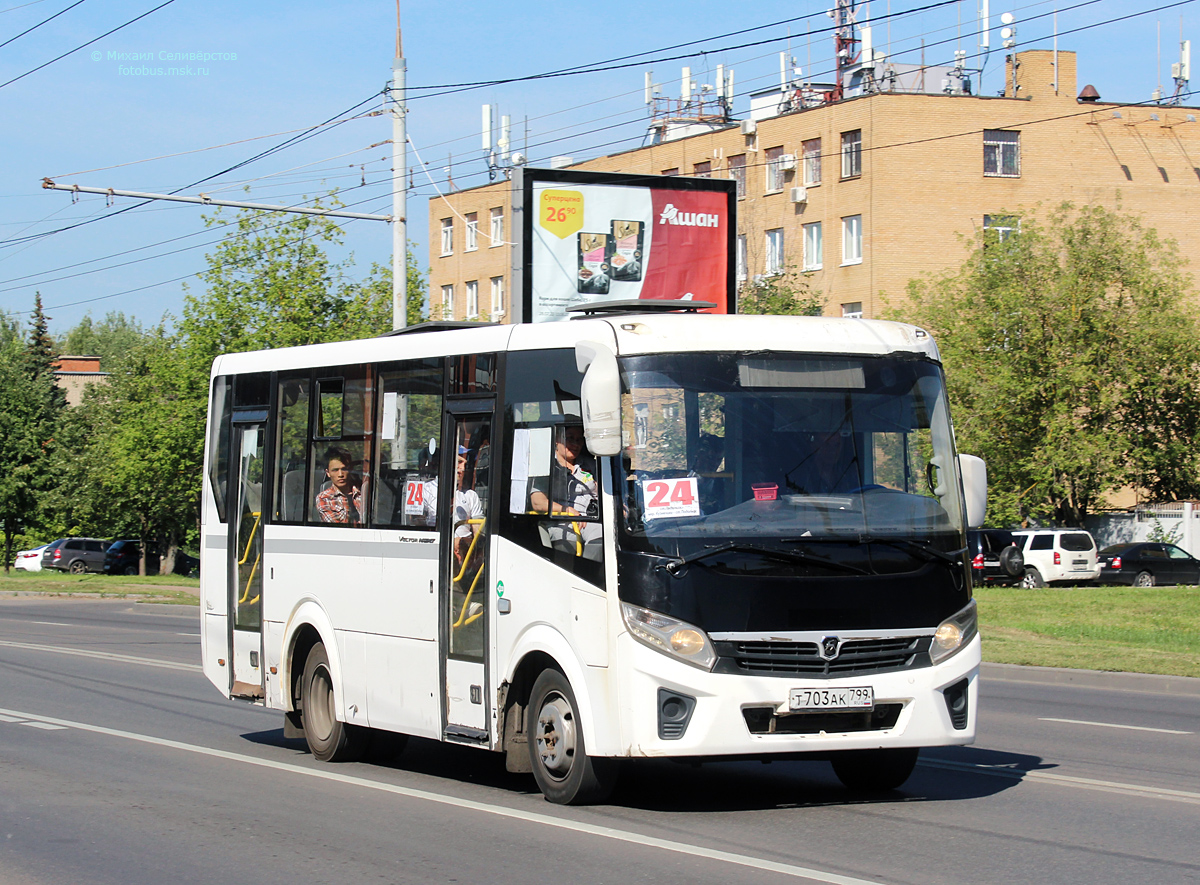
(1181, 70)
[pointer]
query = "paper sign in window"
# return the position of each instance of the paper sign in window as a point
(670, 498)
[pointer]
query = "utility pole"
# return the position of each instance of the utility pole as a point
(399, 193)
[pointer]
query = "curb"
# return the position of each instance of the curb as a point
(1136, 682)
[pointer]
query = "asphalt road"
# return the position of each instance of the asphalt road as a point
(119, 763)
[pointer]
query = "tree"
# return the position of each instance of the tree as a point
(1071, 358)
(26, 431)
(787, 293)
(140, 442)
(111, 339)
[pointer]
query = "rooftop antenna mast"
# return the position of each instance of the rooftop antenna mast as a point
(845, 43)
(1181, 70)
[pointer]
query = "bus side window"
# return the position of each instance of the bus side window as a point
(219, 442)
(340, 454)
(291, 443)
(552, 494)
(409, 417)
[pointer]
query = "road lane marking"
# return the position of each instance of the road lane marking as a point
(1065, 780)
(51, 624)
(603, 832)
(1113, 725)
(11, 719)
(102, 655)
(187, 634)
(48, 726)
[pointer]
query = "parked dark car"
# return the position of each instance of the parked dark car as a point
(996, 560)
(75, 555)
(123, 557)
(1148, 564)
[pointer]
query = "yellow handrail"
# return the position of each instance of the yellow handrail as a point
(462, 616)
(257, 560)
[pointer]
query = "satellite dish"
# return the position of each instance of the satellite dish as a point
(1007, 18)
(1006, 33)
(518, 158)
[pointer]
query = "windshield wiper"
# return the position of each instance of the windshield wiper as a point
(929, 553)
(677, 566)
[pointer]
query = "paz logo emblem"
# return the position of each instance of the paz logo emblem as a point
(829, 647)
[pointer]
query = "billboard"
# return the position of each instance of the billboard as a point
(589, 237)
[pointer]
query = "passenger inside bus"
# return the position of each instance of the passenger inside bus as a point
(342, 501)
(573, 491)
(829, 467)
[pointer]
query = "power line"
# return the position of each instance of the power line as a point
(88, 43)
(39, 24)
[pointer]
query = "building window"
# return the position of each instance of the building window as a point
(852, 240)
(447, 236)
(852, 154)
(447, 302)
(703, 170)
(472, 232)
(774, 158)
(472, 299)
(774, 251)
(673, 171)
(743, 272)
(812, 246)
(852, 310)
(737, 171)
(497, 297)
(812, 162)
(497, 227)
(1001, 153)
(998, 228)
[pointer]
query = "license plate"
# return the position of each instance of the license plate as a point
(859, 698)
(1079, 563)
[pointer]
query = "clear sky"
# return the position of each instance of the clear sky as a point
(278, 69)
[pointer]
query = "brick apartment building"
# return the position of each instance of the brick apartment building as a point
(869, 192)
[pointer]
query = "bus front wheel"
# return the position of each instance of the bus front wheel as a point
(328, 739)
(564, 772)
(875, 771)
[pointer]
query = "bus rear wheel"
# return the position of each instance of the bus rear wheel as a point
(564, 772)
(328, 739)
(875, 771)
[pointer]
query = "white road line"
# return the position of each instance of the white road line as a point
(1064, 780)
(603, 832)
(11, 719)
(103, 655)
(187, 634)
(51, 624)
(48, 726)
(1113, 725)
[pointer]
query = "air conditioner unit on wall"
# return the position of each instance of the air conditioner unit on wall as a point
(799, 195)
(749, 127)
(787, 162)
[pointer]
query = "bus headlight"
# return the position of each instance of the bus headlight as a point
(954, 633)
(669, 635)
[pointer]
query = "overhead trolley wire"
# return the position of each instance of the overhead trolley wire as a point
(39, 24)
(85, 45)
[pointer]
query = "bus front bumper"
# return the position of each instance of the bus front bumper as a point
(673, 709)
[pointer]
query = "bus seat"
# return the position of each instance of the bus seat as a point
(291, 495)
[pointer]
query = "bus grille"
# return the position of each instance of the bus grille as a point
(858, 656)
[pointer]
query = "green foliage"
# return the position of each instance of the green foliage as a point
(27, 423)
(111, 339)
(788, 294)
(1159, 534)
(1071, 359)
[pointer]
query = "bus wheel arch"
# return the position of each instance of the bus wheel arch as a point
(558, 756)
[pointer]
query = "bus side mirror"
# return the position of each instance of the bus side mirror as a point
(974, 479)
(601, 395)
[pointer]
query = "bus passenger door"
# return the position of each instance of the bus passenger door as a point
(465, 532)
(245, 559)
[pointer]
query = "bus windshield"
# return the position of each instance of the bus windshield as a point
(778, 449)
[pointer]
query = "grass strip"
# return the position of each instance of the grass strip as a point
(157, 588)
(1120, 629)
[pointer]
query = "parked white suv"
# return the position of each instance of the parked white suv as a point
(1058, 556)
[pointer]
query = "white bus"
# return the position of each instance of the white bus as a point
(757, 553)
